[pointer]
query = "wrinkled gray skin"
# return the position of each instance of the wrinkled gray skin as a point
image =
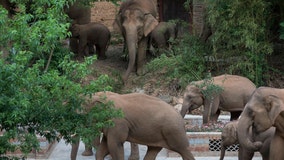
(264, 109)
(229, 137)
(79, 14)
(135, 20)
(148, 121)
(236, 93)
(91, 34)
(161, 35)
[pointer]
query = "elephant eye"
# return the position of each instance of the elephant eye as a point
(250, 112)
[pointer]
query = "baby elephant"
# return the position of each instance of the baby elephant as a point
(89, 35)
(161, 35)
(229, 137)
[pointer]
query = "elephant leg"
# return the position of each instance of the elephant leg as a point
(75, 147)
(211, 111)
(215, 116)
(178, 142)
(115, 140)
(141, 56)
(91, 49)
(102, 150)
(276, 147)
(235, 115)
(245, 154)
(73, 43)
(88, 150)
(134, 154)
(101, 52)
(152, 153)
(116, 149)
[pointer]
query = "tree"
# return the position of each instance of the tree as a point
(41, 98)
(240, 38)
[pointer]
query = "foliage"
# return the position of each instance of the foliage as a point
(208, 88)
(184, 61)
(240, 37)
(38, 98)
(282, 30)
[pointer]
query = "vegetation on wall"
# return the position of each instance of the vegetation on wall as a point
(41, 86)
(241, 38)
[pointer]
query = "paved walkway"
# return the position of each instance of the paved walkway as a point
(62, 152)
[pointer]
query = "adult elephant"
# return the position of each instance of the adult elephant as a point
(135, 20)
(236, 91)
(264, 109)
(147, 120)
(229, 137)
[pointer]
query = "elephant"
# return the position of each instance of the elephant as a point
(79, 14)
(236, 91)
(264, 110)
(135, 21)
(161, 35)
(89, 35)
(229, 137)
(147, 120)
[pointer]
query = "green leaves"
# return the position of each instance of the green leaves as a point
(240, 36)
(41, 99)
(282, 30)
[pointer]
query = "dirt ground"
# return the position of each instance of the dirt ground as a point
(115, 65)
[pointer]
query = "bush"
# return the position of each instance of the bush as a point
(240, 37)
(41, 86)
(184, 62)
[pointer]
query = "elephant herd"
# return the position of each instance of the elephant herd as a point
(256, 120)
(137, 21)
(257, 114)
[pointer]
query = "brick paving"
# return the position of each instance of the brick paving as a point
(62, 152)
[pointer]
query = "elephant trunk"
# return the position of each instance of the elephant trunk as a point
(223, 150)
(131, 40)
(243, 132)
(184, 108)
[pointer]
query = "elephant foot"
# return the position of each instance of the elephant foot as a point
(141, 71)
(88, 152)
(134, 157)
(102, 57)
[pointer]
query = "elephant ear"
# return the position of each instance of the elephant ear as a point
(275, 107)
(149, 24)
(279, 122)
(117, 23)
